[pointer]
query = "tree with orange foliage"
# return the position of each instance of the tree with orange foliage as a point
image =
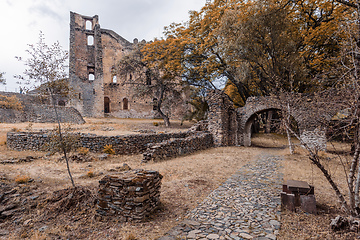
(261, 47)
(154, 69)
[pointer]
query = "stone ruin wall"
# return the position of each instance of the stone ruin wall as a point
(233, 127)
(97, 59)
(36, 110)
(125, 144)
(130, 195)
(178, 147)
(222, 119)
(85, 65)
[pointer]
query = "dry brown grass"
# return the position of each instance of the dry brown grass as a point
(187, 181)
(298, 167)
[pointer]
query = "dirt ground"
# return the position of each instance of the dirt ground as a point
(41, 205)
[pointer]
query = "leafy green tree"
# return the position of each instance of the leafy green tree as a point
(47, 66)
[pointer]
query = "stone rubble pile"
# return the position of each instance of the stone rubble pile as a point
(130, 195)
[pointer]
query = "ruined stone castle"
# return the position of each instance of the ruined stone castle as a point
(94, 53)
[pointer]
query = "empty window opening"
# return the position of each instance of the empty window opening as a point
(148, 77)
(130, 76)
(79, 95)
(90, 40)
(106, 105)
(125, 104)
(88, 25)
(91, 77)
(94, 91)
(155, 104)
(114, 79)
(61, 103)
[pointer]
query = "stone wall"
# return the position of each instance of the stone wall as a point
(126, 144)
(233, 127)
(177, 147)
(131, 195)
(93, 75)
(315, 139)
(40, 113)
(222, 119)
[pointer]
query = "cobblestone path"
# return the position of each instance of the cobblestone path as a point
(246, 206)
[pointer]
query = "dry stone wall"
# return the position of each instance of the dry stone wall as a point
(222, 119)
(177, 147)
(131, 195)
(34, 110)
(126, 144)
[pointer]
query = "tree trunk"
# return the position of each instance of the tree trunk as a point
(315, 159)
(62, 140)
(291, 146)
(269, 115)
(163, 116)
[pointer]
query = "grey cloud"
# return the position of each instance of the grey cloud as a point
(45, 10)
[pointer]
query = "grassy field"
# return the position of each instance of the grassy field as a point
(187, 181)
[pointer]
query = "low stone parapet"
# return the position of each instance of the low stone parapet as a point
(130, 195)
(125, 144)
(177, 147)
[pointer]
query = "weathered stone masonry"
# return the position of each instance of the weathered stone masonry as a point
(179, 146)
(125, 144)
(94, 55)
(130, 195)
(35, 111)
(233, 127)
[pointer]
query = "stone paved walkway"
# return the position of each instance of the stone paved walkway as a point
(246, 206)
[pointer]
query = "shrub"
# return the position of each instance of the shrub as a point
(11, 102)
(22, 179)
(15, 129)
(90, 174)
(109, 149)
(83, 151)
(130, 237)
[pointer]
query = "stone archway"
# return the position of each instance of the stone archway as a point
(231, 126)
(249, 118)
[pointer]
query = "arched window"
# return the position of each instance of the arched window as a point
(88, 25)
(91, 77)
(90, 40)
(125, 104)
(114, 79)
(106, 105)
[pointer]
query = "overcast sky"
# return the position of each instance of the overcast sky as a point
(22, 20)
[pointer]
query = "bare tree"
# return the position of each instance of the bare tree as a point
(2, 79)
(47, 66)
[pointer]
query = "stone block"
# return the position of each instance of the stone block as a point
(288, 201)
(308, 203)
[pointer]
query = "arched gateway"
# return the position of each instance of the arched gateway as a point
(231, 126)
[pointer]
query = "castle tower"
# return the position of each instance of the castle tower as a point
(85, 65)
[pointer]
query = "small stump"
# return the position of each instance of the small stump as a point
(130, 195)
